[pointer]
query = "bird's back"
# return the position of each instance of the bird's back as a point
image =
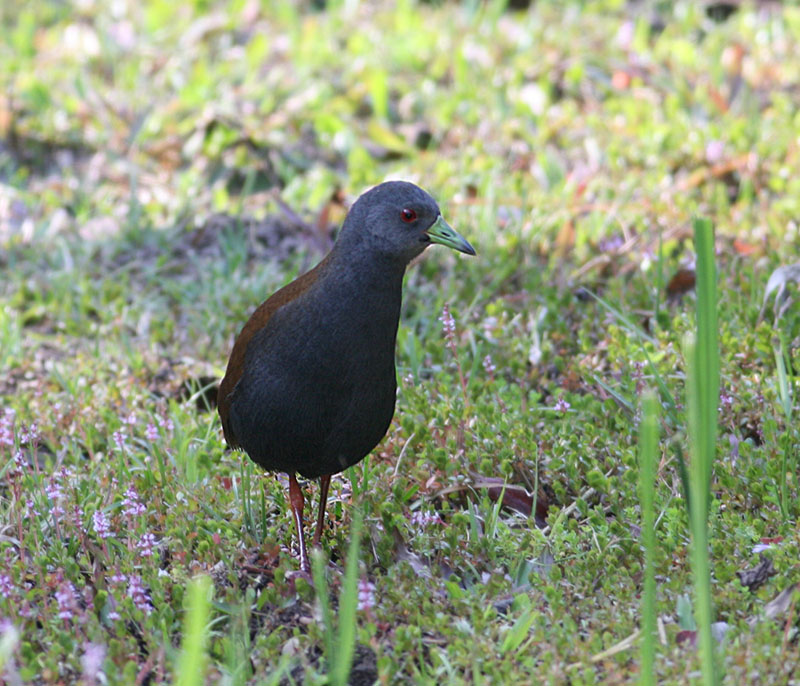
(311, 382)
(258, 320)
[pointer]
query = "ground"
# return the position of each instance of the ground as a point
(166, 166)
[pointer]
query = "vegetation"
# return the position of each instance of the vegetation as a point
(164, 166)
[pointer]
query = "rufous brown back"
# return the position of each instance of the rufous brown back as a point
(257, 321)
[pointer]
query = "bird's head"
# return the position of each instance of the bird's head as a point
(399, 219)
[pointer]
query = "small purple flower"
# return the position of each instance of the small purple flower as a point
(151, 433)
(715, 150)
(7, 427)
(6, 585)
(625, 34)
(88, 598)
(133, 506)
(611, 244)
(561, 406)
(65, 597)
(77, 515)
(30, 506)
(92, 661)
(138, 594)
(725, 399)
(130, 420)
(488, 366)
(17, 467)
(166, 423)
(448, 324)
(53, 490)
(118, 578)
(145, 545)
(423, 520)
(366, 594)
(29, 434)
(101, 524)
(119, 439)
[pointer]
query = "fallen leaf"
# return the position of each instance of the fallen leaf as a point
(778, 281)
(756, 577)
(744, 248)
(514, 497)
(682, 282)
(621, 80)
(775, 607)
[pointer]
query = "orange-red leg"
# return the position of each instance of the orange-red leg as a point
(324, 483)
(296, 502)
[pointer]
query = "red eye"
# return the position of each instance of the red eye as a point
(408, 216)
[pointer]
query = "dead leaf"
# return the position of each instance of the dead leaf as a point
(756, 577)
(775, 607)
(682, 282)
(514, 497)
(621, 80)
(744, 248)
(778, 281)
(565, 240)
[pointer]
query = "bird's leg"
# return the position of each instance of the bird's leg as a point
(324, 482)
(296, 501)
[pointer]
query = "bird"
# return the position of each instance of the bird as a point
(311, 383)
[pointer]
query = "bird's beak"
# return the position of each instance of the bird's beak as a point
(441, 232)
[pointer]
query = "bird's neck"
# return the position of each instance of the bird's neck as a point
(367, 275)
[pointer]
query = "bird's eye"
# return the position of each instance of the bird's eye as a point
(408, 216)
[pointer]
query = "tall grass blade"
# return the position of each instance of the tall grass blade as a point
(783, 363)
(519, 631)
(191, 666)
(321, 586)
(648, 458)
(707, 349)
(702, 392)
(348, 603)
(340, 637)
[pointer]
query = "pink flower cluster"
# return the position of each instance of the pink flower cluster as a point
(7, 427)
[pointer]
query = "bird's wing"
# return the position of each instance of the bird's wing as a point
(257, 321)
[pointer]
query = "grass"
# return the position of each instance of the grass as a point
(340, 636)
(191, 667)
(702, 402)
(648, 463)
(165, 166)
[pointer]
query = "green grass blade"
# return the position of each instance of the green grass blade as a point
(702, 393)
(519, 632)
(707, 347)
(321, 585)
(623, 320)
(348, 602)
(648, 457)
(340, 637)
(191, 666)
